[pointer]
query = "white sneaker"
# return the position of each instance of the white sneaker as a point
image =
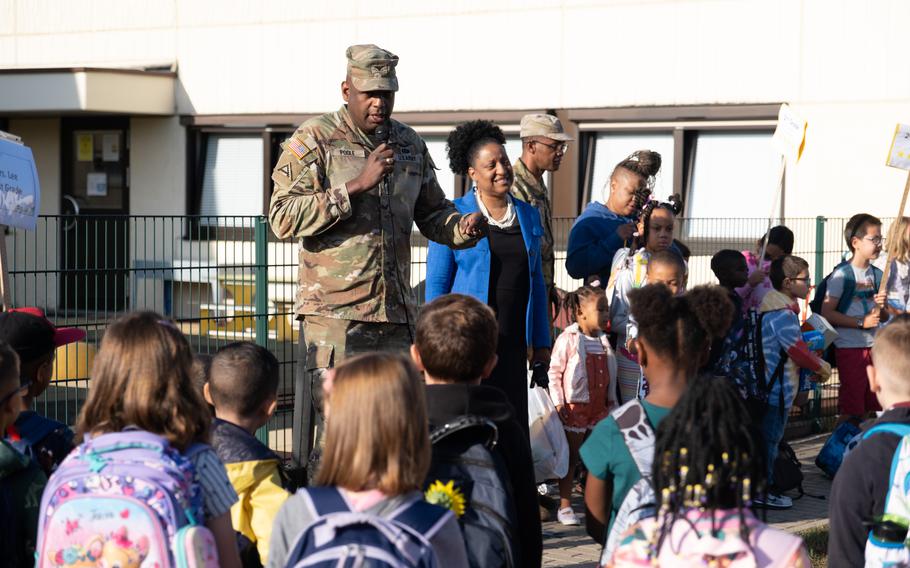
(567, 517)
(772, 501)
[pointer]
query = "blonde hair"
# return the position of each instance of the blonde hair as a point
(900, 236)
(891, 354)
(142, 377)
(377, 432)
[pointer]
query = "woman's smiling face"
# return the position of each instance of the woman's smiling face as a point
(491, 170)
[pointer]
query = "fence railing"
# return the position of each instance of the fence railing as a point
(226, 279)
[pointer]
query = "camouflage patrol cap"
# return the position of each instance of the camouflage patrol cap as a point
(372, 68)
(545, 125)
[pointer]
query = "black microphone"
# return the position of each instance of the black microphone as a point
(381, 134)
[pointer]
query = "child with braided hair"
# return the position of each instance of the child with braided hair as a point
(709, 466)
(630, 271)
(674, 336)
(582, 368)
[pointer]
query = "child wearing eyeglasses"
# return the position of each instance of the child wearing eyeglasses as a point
(853, 306)
(784, 353)
(21, 480)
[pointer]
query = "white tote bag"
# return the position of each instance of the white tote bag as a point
(548, 438)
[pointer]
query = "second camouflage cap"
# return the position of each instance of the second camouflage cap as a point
(372, 68)
(545, 125)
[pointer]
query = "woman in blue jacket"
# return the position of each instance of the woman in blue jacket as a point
(604, 228)
(504, 269)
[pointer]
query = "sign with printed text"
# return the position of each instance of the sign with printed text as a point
(790, 135)
(899, 155)
(20, 193)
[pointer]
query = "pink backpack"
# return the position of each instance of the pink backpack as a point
(125, 499)
(690, 543)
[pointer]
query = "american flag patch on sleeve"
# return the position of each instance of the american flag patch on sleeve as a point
(300, 148)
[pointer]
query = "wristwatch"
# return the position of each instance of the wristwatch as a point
(859, 323)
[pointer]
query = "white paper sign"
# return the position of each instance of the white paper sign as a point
(96, 185)
(110, 147)
(899, 155)
(790, 134)
(20, 192)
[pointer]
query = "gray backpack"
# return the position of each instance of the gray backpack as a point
(640, 501)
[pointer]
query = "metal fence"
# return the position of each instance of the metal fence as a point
(225, 279)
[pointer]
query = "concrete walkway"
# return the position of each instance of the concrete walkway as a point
(571, 547)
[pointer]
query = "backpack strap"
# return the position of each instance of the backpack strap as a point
(897, 429)
(423, 517)
(846, 297)
(877, 276)
(487, 429)
(637, 433)
(325, 500)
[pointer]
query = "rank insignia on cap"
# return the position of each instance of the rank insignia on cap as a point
(301, 148)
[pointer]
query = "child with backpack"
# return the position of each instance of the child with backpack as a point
(21, 480)
(708, 470)
(35, 339)
(455, 347)
(674, 335)
(780, 243)
(366, 503)
(732, 272)
(143, 486)
(243, 388)
(784, 353)
(582, 371)
(630, 271)
(899, 277)
(853, 305)
(869, 482)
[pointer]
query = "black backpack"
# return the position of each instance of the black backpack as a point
(788, 473)
(463, 453)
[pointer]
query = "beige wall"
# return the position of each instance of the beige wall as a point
(838, 62)
(157, 166)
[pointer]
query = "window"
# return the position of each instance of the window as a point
(232, 178)
(733, 176)
(612, 147)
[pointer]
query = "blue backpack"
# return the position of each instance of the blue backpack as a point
(343, 538)
(742, 361)
(843, 303)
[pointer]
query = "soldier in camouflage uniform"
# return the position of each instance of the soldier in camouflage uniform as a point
(350, 198)
(543, 145)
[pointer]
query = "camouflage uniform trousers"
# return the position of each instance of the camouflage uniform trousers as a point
(324, 343)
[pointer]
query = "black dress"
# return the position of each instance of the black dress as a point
(509, 294)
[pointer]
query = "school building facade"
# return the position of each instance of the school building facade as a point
(179, 106)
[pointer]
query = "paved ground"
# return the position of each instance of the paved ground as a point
(572, 548)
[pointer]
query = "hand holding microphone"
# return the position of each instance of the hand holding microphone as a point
(380, 163)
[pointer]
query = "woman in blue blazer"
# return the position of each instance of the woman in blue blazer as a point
(503, 269)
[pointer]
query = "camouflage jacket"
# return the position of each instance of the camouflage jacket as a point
(355, 251)
(530, 190)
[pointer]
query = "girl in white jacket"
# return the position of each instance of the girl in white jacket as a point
(582, 370)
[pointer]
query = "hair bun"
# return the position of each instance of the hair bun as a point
(643, 162)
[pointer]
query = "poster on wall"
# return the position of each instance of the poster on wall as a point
(85, 148)
(110, 147)
(96, 185)
(20, 193)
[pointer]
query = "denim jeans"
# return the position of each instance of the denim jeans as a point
(772, 427)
